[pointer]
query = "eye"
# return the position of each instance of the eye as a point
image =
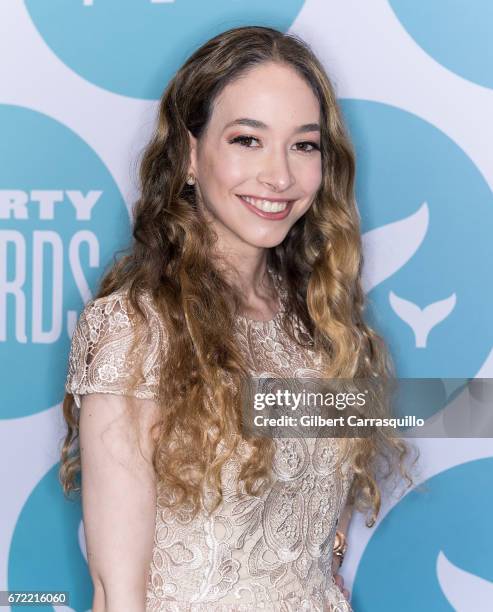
(244, 141)
(314, 146)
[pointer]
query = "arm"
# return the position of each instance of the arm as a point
(118, 499)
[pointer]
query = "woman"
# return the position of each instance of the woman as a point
(246, 260)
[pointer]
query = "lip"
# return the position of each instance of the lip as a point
(274, 216)
(257, 197)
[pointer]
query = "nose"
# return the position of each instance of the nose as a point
(276, 172)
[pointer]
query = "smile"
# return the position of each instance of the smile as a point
(268, 206)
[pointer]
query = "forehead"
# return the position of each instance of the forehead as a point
(270, 92)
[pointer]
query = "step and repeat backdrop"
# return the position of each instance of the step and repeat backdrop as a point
(79, 84)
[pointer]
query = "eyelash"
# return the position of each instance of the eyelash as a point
(241, 140)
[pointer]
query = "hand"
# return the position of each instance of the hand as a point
(338, 579)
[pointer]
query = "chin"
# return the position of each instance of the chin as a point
(266, 242)
(268, 245)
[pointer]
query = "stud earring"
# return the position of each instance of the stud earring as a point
(190, 179)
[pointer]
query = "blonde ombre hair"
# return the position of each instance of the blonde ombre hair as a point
(319, 261)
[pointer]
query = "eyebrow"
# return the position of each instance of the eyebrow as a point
(255, 123)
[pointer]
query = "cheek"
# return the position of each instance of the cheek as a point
(309, 181)
(226, 171)
(311, 178)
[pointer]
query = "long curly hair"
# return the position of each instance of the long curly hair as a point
(172, 257)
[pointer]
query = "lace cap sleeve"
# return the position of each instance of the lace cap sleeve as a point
(100, 359)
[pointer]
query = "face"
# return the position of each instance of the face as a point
(258, 162)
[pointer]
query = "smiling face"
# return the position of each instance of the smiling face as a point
(258, 161)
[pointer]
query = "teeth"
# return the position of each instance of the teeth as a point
(266, 205)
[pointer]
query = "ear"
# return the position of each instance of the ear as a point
(193, 154)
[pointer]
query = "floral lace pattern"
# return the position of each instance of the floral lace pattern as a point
(272, 552)
(100, 361)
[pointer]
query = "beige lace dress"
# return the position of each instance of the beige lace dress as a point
(270, 553)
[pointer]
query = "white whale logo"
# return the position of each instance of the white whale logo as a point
(422, 321)
(386, 249)
(464, 591)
